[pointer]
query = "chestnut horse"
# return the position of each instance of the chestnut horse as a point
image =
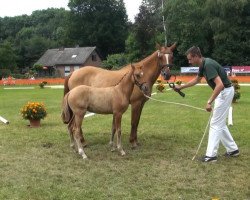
(156, 63)
(109, 100)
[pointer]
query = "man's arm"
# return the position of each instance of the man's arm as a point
(218, 87)
(191, 83)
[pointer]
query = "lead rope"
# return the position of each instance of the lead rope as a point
(189, 107)
(170, 102)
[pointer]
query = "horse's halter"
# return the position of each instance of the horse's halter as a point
(162, 66)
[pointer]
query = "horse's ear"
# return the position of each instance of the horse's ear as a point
(173, 46)
(157, 46)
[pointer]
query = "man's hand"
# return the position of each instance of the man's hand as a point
(177, 88)
(208, 107)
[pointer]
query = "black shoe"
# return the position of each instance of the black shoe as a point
(232, 154)
(209, 159)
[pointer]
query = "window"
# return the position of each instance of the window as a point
(76, 68)
(94, 58)
(66, 70)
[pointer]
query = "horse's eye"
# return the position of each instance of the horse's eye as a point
(138, 75)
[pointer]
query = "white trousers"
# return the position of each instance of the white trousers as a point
(218, 129)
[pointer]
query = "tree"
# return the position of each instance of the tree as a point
(115, 61)
(45, 29)
(101, 23)
(145, 31)
(229, 22)
(185, 23)
(7, 56)
(7, 59)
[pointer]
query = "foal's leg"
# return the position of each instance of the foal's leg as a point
(118, 119)
(136, 109)
(84, 143)
(71, 132)
(111, 142)
(78, 134)
(72, 140)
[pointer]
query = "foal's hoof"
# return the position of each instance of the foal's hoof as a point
(84, 157)
(113, 149)
(111, 144)
(85, 144)
(122, 153)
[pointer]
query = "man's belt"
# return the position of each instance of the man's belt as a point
(228, 85)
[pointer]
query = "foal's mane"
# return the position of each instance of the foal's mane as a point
(121, 79)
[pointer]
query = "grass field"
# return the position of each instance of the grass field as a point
(38, 164)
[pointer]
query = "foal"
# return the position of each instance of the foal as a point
(110, 100)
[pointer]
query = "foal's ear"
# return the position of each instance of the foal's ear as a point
(132, 66)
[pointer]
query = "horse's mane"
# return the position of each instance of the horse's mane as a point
(148, 57)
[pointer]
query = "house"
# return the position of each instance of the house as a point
(61, 62)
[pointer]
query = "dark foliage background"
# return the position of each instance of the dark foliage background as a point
(220, 28)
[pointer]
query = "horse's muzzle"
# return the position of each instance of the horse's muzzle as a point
(166, 75)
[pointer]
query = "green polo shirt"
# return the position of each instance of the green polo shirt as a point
(210, 69)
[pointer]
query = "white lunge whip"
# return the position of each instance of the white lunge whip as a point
(202, 137)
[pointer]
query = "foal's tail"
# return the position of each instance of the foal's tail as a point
(66, 86)
(67, 113)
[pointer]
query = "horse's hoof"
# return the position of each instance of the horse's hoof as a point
(134, 145)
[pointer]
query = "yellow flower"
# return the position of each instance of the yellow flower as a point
(33, 110)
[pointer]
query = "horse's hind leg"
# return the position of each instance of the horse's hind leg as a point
(111, 142)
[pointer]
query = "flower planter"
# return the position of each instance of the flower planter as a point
(35, 123)
(34, 112)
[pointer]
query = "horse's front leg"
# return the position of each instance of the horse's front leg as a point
(118, 119)
(136, 109)
(113, 130)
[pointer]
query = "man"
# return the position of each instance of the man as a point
(222, 96)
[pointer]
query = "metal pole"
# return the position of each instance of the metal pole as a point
(163, 21)
(4, 120)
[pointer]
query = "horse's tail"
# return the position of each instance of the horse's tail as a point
(66, 82)
(67, 113)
